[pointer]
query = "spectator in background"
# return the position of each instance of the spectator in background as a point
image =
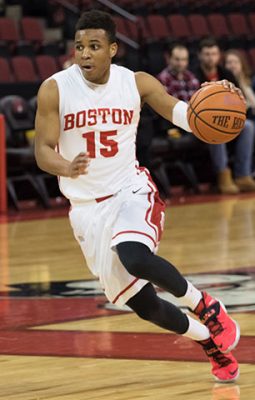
(177, 79)
(253, 83)
(181, 83)
(210, 70)
(236, 62)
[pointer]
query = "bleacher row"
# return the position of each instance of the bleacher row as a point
(234, 30)
(29, 69)
(144, 7)
(190, 27)
(40, 67)
(26, 37)
(28, 29)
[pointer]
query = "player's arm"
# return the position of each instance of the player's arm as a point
(47, 126)
(154, 94)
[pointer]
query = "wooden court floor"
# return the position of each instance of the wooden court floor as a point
(60, 339)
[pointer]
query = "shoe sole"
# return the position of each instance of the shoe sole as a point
(238, 333)
(228, 380)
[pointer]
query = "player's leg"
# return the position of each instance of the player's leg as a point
(148, 306)
(219, 157)
(243, 158)
(142, 263)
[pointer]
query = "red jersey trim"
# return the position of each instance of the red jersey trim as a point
(57, 148)
(124, 290)
(151, 199)
(138, 232)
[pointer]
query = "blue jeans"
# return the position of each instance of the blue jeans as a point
(244, 145)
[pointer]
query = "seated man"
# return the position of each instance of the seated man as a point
(181, 83)
(177, 79)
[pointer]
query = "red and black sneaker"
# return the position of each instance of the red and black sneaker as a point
(224, 366)
(224, 331)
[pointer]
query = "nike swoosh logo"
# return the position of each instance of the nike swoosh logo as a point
(135, 191)
(234, 372)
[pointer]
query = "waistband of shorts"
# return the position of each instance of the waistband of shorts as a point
(97, 200)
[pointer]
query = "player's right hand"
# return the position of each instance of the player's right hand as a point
(79, 165)
(227, 85)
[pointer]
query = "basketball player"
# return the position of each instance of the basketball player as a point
(86, 126)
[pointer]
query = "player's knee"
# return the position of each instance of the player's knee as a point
(134, 267)
(134, 257)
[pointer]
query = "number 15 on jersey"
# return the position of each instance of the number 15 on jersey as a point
(108, 146)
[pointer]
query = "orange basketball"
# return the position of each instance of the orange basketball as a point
(215, 114)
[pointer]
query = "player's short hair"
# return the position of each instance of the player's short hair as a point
(175, 45)
(208, 42)
(97, 19)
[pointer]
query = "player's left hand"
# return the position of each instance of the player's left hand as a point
(227, 85)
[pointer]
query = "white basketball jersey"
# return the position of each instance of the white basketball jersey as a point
(100, 119)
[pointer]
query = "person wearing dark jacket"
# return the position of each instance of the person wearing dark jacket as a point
(210, 70)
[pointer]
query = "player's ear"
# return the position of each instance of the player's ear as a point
(113, 49)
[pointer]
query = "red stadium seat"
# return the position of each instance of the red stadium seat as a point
(20, 155)
(144, 28)
(134, 31)
(139, 30)
(199, 26)
(5, 75)
(8, 31)
(46, 66)
(121, 26)
(158, 26)
(252, 58)
(23, 69)
(238, 24)
(251, 20)
(32, 30)
(86, 4)
(62, 59)
(218, 25)
(179, 26)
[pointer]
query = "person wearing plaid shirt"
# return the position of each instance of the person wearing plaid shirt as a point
(177, 79)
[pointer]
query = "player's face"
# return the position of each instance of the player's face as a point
(94, 53)
(179, 59)
(210, 56)
(233, 63)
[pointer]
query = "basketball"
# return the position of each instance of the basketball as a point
(216, 115)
